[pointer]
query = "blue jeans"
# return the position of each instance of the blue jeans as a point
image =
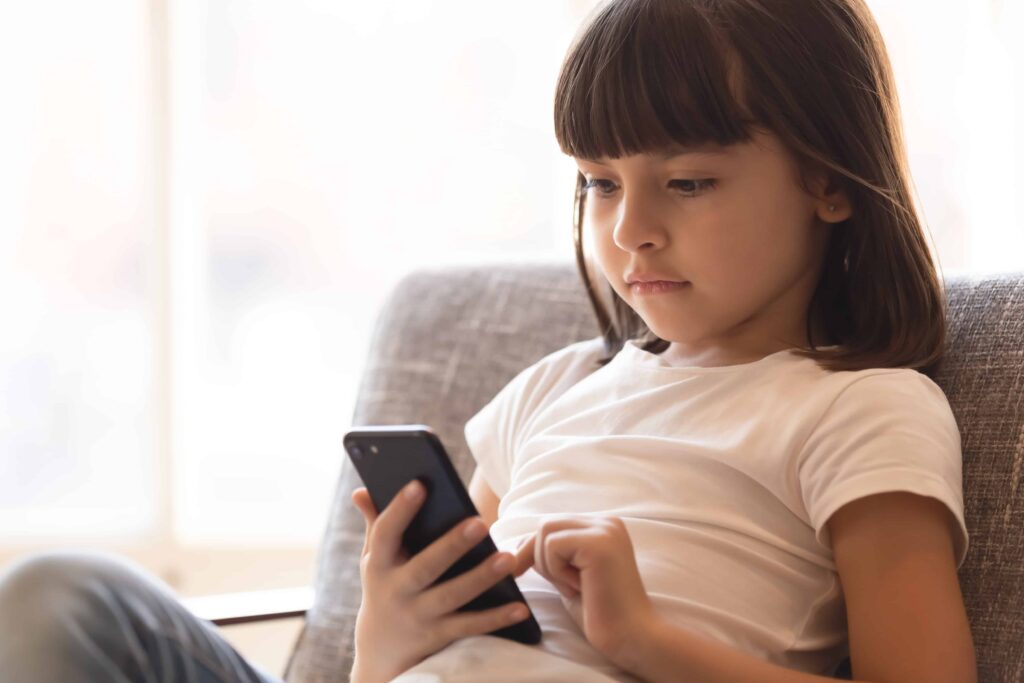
(73, 616)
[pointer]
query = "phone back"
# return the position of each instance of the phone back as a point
(387, 457)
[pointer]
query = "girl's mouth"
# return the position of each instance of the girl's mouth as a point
(657, 287)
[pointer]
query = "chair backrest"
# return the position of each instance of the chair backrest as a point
(446, 340)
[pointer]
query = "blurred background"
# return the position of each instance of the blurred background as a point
(203, 205)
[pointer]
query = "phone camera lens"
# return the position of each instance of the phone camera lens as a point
(356, 451)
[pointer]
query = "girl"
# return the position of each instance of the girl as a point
(750, 475)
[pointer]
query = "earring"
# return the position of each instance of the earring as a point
(831, 207)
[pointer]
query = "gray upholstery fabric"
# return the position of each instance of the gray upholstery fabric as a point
(448, 339)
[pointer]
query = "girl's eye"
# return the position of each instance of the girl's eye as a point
(688, 188)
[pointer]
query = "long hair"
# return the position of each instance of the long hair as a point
(644, 74)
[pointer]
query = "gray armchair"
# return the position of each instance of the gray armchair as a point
(448, 339)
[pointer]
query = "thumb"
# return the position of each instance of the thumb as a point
(361, 499)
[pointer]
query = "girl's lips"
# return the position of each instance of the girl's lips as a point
(657, 287)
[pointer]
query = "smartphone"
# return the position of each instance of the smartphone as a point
(388, 457)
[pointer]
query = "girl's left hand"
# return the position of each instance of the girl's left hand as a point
(592, 558)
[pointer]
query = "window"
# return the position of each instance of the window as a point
(205, 203)
(77, 274)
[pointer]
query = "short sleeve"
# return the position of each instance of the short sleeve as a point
(890, 431)
(494, 433)
(488, 434)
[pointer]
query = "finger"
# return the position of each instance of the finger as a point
(362, 502)
(472, 623)
(361, 499)
(451, 595)
(530, 553)
(524, 557)
(539, 560)
(386, 535)
(430, 563)
(568, 535)
(559, 549)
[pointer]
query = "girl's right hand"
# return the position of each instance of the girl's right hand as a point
(403, 618)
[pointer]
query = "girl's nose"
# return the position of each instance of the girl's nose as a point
(637, 234)
(640, 225)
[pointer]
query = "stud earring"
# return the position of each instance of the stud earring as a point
(831, 207)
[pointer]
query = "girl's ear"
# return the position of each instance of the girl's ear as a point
(832, 204)
(835, 208)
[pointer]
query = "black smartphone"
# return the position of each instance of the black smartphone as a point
(387, 457)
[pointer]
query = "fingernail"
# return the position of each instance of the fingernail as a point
(413, 491)
(474, 529)
(503, 564)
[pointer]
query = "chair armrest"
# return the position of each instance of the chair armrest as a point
(251, 606)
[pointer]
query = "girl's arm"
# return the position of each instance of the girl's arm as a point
(906, 617)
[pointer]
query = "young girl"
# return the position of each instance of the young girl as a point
(750, 476)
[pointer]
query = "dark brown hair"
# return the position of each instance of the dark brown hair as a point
(644, 74)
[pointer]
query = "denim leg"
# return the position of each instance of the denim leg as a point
(83, 616)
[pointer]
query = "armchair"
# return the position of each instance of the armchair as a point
(448, 339)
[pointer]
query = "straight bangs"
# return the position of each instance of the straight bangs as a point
(641, 79)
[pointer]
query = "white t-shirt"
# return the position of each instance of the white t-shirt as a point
(724, 477)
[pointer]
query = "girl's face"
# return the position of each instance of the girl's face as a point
(732, 221)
